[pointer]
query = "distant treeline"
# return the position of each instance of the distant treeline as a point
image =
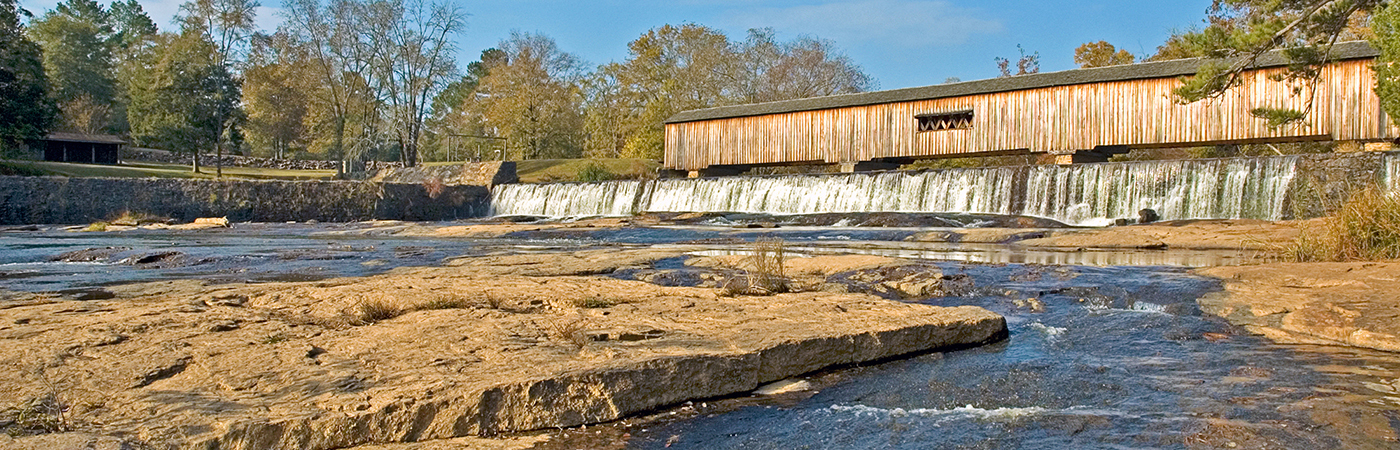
(376, 79)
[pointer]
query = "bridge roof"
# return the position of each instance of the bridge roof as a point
(1162, 69)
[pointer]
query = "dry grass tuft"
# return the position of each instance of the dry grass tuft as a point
(40, 415)
(132, 219)
(1366, 227)
(495, 301)
(571, 330)
(443, 303)
(371, 311)
(769, 274)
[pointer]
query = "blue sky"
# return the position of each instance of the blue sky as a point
(901, 43)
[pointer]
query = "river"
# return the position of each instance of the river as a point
(1107, 349)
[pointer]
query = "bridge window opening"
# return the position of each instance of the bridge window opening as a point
(958, 120)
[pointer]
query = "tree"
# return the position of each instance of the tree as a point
(131, 24)
(181, 94)
(676, 68)
(415, 62)
(77, 40)
(532, 98)
(26, 111)
(1386, 26)
(227, 25)
(1101, 54)
(1242, 31)
(379, 64)
(806, 67)
(456, 114)
(276, 87)
(1026, 65)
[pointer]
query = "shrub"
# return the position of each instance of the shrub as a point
(1366, 227)
(595, 171)
(434, 187)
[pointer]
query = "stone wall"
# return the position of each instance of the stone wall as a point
(1324, 181)
(60, 200)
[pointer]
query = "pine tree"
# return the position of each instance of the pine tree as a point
(26, 112)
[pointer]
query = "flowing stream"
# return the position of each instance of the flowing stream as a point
(1104, 357)
(1088, 194)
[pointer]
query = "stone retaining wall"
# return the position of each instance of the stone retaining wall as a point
(1324, 181)
(61, 200)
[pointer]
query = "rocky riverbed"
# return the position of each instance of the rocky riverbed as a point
(479, 347)
(558, 324)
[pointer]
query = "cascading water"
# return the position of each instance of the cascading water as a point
(1392, 171)
(1088, 194)
(608, 198)
(970, 190)
(1094, 194)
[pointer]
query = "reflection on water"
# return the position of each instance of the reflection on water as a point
(1002, 254)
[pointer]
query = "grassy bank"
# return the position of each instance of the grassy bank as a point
(556, 170)
(152, 170)
(533, 171)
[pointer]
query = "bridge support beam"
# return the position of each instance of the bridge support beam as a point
(867, 166)
(1099, 154)
(718, 171)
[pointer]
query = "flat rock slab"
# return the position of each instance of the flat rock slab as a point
(486, 346)
(1351, 304)
(1223, 234)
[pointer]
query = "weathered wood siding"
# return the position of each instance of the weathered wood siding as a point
(1060, 119)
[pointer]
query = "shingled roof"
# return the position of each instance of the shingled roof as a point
(1164, 69)
(85, 138)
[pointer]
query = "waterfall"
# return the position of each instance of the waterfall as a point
(1087, 194)
(608, 198)
(967, 190)
(1392, 170)
(1094, 194)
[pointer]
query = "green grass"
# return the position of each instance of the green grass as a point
(548, 170)
(153, 170)
(533, 171)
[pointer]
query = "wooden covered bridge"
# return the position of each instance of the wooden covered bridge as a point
(1083, 115)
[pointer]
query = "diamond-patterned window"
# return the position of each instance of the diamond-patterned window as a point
(957, 120)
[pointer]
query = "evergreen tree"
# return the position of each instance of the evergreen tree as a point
(180, 93)
(1386, 26)
(26, 111)
(75, 37)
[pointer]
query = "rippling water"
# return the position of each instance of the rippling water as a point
(1117, 358)
(1102, 357)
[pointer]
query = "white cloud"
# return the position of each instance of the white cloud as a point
(902, 23)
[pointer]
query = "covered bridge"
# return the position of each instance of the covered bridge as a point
(1082, 115)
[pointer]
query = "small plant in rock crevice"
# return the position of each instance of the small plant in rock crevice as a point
(371, 311)
(769, 273)
(568, 329)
